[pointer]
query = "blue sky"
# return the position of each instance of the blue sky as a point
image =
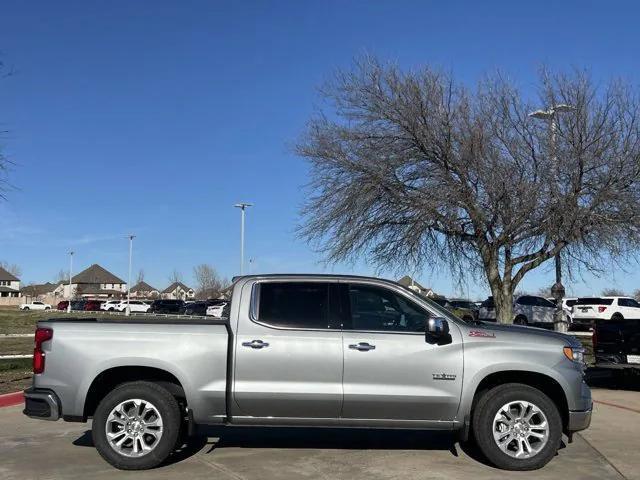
(155, 117)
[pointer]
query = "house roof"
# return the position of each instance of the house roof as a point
(96, 274)
(4, 275)
(174, 286)
(7, 289)
(407, 281)
(143, 287)
(39, 289)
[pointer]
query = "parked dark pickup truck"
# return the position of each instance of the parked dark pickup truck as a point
(616, 344)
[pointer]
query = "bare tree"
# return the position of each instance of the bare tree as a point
(544, 292)
(140, 277)
(12, 268)
(636, 294)
(61, 277)
(412, 169)
(208, 282)
(613, 292)
(175, 276)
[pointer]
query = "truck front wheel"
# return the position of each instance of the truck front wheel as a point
(136, 426)
(517, 427)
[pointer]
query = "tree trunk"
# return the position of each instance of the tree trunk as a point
(502, 291)
(504, 305)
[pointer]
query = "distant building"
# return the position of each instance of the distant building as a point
(42, 290)
(178, 291)
(9, 284)
(95, 282)
(409, 282)
(144, 290)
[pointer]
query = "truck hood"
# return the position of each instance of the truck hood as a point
(525, 334)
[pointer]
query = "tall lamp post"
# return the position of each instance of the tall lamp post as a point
(70, 276)
(242, 206)
(128, 309)
(557, 290)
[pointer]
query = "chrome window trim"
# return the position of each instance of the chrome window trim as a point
(254, 304)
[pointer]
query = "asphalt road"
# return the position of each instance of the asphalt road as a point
(31, 449)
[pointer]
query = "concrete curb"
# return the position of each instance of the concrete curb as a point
(11, 399)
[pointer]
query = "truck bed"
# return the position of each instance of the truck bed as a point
(194, 350)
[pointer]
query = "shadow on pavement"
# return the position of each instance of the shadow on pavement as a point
(209, 439)
(613, 379)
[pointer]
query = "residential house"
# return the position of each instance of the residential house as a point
(38, 291)
(9, 284)
(409, 282)
(144, 290)
(178, 291)
(95, 282)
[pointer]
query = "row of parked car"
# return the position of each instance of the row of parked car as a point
(212, 307)
(579, 312)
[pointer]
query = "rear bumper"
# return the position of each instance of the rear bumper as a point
(579, 420)
(41, 403)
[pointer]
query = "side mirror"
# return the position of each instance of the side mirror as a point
(437, 329)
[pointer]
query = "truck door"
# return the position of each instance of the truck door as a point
(288, 359)
(390, 371)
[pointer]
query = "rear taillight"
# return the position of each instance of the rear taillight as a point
(601, 309)
(42, 335)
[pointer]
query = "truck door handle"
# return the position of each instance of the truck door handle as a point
(362, 347)
(255, 344)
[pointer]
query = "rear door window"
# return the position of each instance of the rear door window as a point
(294, 304)
(526, 300)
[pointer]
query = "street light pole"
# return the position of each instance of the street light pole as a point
(128, 309)
(557, 290)
(242, 206)
(70, 276)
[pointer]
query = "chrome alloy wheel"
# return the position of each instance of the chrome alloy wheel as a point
(134, 427)
(520, 429)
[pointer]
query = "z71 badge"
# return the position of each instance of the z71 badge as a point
(444, 376)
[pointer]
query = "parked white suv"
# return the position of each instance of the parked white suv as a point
(110, 305)
(35, 306)
(605, 308)
(134, 306)
(527, 310)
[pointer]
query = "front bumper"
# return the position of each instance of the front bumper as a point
(579, 420)
(41, 403)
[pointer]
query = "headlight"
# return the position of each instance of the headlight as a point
(575, 354)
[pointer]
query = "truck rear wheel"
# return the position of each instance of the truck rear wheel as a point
(517, 427)
(136, 426)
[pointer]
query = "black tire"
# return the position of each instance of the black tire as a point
(617, 316)
(25, 308)
(520, 320)
(482, 426)
(168, 409)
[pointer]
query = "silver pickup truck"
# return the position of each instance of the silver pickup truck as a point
(314, 351)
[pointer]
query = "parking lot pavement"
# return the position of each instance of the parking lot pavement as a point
(31, 449)
(615, 428)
